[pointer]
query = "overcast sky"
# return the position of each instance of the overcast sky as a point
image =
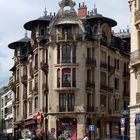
(14, 13)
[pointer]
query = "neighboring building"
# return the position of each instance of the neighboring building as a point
(7, 112)
(135, 70)
(74, 71)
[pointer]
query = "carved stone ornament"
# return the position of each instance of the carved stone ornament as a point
(64, 3)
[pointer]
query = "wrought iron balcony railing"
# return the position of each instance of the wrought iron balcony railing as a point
(103, 65)
(66, 37)
(91, 61)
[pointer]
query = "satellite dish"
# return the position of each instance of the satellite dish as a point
(26, 133)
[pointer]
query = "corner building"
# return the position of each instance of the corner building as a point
(74, 71)
(135, 70)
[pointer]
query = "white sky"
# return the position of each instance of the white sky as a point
(14, 13)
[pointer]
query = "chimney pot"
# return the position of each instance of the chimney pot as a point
(79, 5)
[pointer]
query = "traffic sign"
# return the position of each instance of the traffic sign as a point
(91, 127)
(122, 120)
(38, 117)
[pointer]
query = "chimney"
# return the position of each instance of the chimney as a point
(82, 10)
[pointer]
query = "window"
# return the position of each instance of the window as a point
(31, 68)
(24, 110)
(103, 100)
(36, 83)
(116, 104)
(74, 77)
(90, 106)
(116, 83)
(70, 102)
(42, 31)
(36, 61)
(18, 111)
(17, 93)
(36, 103)
(30, 107)
(8, 111)
(103, 78)
(66, 99)
(66, 77)
(30, 86)
(62, 102)
(117, 64)
(58, 78)
(66, 54)
(58, 55)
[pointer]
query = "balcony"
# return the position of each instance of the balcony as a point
(111, 69)
(138, 97)
(90, 84)
(66, 109)
(44, 66)
(90, 109)
(24, 79)
(103, 87)
(137, 16)
(110, 89)
(66, 37)
(91, 61)
(103, 65)
(135, 58)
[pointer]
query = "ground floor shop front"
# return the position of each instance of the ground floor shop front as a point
(75, 126)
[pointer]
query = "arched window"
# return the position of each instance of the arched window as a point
(66, 54)
(66, 77)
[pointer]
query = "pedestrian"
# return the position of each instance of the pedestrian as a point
(85, 137)
(38, 135)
